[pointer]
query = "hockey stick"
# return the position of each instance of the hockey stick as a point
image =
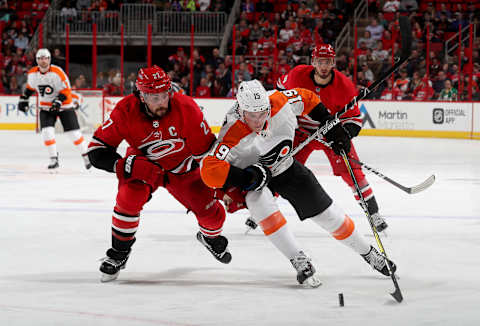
(410, 190)
(405, 31)
(397, 294)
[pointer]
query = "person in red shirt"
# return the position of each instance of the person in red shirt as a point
(168, 136)
(424, 91)
(203, 90)
(335, 90)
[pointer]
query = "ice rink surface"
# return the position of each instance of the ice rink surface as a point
(56, 227)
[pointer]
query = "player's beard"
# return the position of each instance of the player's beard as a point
(323, 73)
(44, 67)
(159, 112)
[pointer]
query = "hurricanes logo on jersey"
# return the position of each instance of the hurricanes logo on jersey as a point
(157, 149)
(45, 89)
(277, 153)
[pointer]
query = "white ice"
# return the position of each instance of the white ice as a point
(55, 228)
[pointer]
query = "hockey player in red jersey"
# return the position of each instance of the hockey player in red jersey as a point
(168, 136)
(335, 91)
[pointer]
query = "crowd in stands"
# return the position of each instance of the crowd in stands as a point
(297, 26)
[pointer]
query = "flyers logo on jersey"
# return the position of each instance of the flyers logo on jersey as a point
(157, 149)
(45, 89)
(277, 153)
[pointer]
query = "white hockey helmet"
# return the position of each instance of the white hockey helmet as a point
(42, 53)
(252, 96)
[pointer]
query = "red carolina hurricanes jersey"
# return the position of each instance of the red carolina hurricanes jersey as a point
(173, 141)
(335, 95)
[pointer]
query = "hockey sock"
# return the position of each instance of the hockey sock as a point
(342, 228)
(48, 136)
(124, 227)
(78, 140)
(277, 231)
(365, 188)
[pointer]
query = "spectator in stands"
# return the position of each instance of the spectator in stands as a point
(203, 90)
(79, 82)
(387, 40)
(21, 41)
(215, 59)
(102, 79)
(367, 39)
(114, 88)
(375, 29)
(391, 93)
(83, 5)
(189, 5)
(424, 91)
(264, 6)
(248, 6)
(391, 6)
(203, 5)
(69, 13)
(379, 53)
(367, 72)
(439, 82)
(255, 32)
(13, 86)
(58, 59)
(408, 5)
(448, 93)
(402, 82)
(292, 59)
(242, 74)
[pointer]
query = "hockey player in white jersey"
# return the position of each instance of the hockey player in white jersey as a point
(55, 101)
(257, 133)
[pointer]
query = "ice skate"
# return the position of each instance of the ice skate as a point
(251, 225)
(379, 222)
(86, 161)
(112, 264)
(53, 165)
(305, 270)
(377, 261)
(218, 246)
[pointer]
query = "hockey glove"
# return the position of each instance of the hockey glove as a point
(352, 129)
(56, 105)
(233, 198)
(138, 168)
(23, 103)
(338, 136)
(259, 177)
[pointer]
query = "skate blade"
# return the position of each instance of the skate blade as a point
(312, 282)
(108, 278)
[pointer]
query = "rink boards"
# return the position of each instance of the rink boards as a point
(381, 118)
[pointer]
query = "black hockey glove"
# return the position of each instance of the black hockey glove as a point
(56, 105)
(260, 176)
(338, 136)
(23, 103)
(352, 129)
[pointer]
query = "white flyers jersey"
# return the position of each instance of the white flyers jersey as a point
(49, 85)
(239, 146)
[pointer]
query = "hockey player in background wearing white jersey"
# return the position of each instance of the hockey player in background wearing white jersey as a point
(258, 133)
(55, 101)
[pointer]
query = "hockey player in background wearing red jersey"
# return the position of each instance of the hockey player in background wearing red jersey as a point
(55, 101)
(335, 91)
(168, 136)
(251, 154)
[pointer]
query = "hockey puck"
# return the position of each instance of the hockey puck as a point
(340, 300)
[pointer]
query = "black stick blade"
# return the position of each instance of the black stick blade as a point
(397, 295)
(406, 35)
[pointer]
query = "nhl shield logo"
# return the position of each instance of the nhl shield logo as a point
(155, 124)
